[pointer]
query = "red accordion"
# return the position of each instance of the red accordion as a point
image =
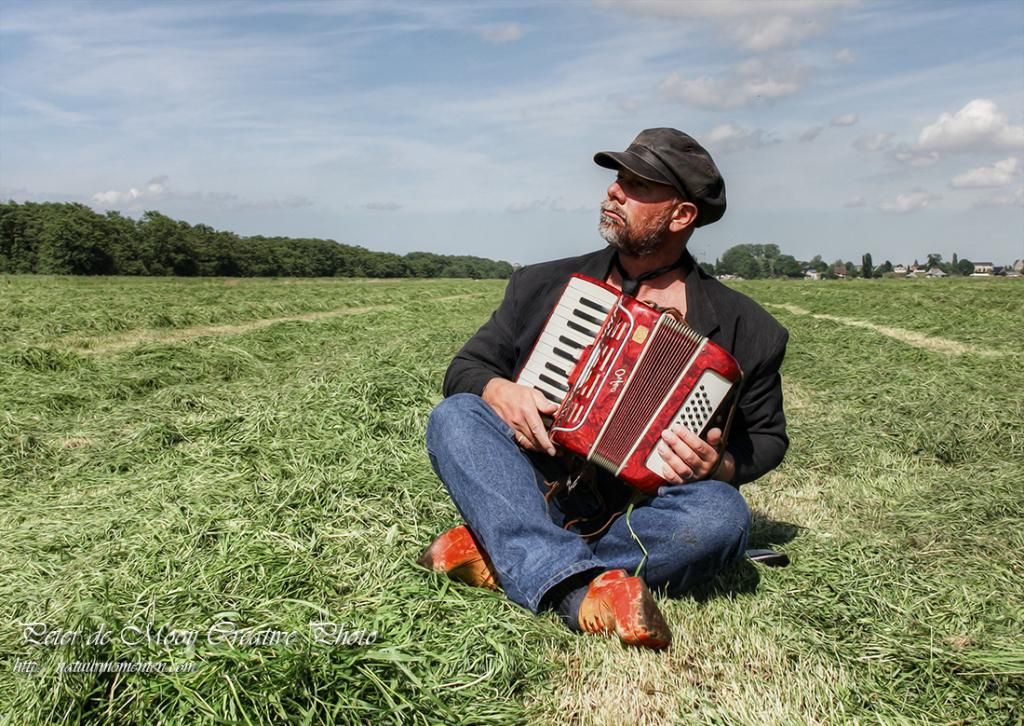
(623, 372)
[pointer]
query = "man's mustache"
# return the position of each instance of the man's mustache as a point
(614, 208)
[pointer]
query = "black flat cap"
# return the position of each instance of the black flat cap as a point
(668, 156)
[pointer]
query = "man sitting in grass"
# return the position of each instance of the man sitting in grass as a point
(549, 547)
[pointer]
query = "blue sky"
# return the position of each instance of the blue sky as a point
(895, 128)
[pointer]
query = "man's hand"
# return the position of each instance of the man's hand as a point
(690, 458)
(521, 408)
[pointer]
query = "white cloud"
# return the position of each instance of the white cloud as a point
(157, 190)
(811, 134)
(1000, 174)
(507, 33)
(857, 201)
(910, 202)
(549, 204)
(15, 194)
(1005, 199)
(53, 113)
(384, 206)
(872, 142)
(232, 201)
(729, 137)
(977, 126)
(155, 186)
(628, 104)
(749, 82)
(753, 26)
(845, 56)
(153, 191)
(847, 119)
(759, 28)
(114, 198)
(773, 32)
(914, 157)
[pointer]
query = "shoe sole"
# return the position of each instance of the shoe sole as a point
(659, 636)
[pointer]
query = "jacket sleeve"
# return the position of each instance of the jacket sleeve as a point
(758, 440)
(488, 354)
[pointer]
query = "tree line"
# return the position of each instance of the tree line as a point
(72, 239)
(756, 261)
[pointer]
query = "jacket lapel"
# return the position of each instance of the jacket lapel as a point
(599, 264)
(700, 313)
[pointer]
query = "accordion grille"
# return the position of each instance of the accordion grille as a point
(668, 353)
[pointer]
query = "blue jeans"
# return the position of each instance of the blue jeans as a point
(691, 532)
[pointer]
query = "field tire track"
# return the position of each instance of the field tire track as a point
(132, 339)
(910, 337)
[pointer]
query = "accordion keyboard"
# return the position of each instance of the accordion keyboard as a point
(572, 326)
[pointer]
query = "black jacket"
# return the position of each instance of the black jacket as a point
(758, 439)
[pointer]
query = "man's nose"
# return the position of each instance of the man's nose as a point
(615, 192)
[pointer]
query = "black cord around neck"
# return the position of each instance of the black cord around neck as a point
(630, 285)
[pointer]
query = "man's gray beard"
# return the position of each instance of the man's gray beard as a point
(640, 245)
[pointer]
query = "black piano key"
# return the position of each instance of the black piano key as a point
(579, 328)
(588, 318)
(552, 367)
(569, 342)
(549, 395)
(591, 304)
(565, 354)
(552, 382)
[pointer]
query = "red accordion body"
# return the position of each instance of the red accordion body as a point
(643, 371)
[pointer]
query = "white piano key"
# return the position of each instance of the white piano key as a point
(545, 353)
(569, 330)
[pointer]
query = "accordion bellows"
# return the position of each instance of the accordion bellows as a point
(622, 372)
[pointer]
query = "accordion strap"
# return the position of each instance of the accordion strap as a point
(630, 285)
(582, 475)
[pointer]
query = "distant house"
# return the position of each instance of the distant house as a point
(839, 271)
(900, 270)
(983, 268)
(1018, 266)
(811, 274)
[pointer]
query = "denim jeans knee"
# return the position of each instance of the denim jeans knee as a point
(682, 537)
(497, 490)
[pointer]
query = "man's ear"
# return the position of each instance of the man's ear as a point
(683, 216)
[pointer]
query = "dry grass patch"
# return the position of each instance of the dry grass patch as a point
(113, 344)
(910, 337)
(75, 442)
(117, 343)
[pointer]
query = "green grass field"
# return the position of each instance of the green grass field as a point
(228, 459)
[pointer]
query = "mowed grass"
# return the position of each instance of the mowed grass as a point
(183, 453)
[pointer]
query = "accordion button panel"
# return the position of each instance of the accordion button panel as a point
(698, 408)
(572, 326)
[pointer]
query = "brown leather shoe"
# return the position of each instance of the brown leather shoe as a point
(458, 554)
(616, 602)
